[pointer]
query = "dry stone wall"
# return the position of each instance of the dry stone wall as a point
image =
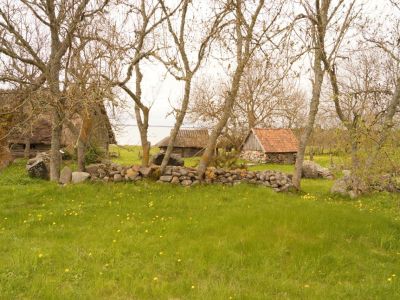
(112, 172)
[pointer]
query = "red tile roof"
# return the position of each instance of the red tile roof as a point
(276, 140)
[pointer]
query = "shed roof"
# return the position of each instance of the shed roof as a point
(188, 138)
(276, 140)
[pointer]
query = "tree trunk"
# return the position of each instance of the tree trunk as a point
(143, 126)
(55, 155)
(81, 150)
(354, 149)
(27, 150)
(212, 142)
(316, 92)
(179, 120)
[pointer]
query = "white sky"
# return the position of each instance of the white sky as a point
(163, 91)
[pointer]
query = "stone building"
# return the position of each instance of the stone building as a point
(188, 143)
(264, 145)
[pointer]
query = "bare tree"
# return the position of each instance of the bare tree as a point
(129, 51)
(59, 21)
(328, 21)
(389, 44)
(247, 36)
(183, 67)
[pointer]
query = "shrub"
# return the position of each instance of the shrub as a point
(94, 155)
(227, 160)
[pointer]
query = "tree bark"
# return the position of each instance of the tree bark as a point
(179, 120)
(314, 104)
(27, 150)
(212, 142)
(55, 155)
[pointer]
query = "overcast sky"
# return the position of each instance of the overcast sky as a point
(164, 92)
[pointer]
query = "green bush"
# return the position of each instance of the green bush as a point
(94, 155)
(227, 160)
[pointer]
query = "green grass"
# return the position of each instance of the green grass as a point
(154, 241)
(129, 155)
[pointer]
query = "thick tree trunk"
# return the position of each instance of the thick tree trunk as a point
(316, 93)
(179, 120)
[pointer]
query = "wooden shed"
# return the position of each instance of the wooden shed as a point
(36, 136)
(188, 143)
(268, 145)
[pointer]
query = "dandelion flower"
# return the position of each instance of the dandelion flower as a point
(155, 278)
(306, 286)
(90, 253)
(389, 279)
(66, 270)
(179, 260)
(114, 241)
(119, 230)
(40, 255)
(192, 286)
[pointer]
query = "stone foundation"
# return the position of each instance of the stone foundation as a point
(276, 158)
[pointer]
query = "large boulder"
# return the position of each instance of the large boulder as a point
(38, 169)
(349, 185)
(66, 175)
(311, 169)
(39, 166)
(174, 160)
(78, 177)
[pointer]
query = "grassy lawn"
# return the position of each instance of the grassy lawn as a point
(154, 241)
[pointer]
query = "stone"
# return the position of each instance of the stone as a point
(117, 178)
(66, 175)
(38, 169)
(175, 180)
(145, 171)
(136, 168)
(184, 172)
(186, 182)
(174, 160)
(131, 174)
(78, 177)
(340, 187)
(102, 173)
(166, 178)
(311, 169)
(94, 168)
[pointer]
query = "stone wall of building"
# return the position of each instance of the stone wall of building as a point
(261, 157)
